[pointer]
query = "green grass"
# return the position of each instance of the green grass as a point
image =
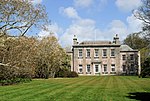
(95, 88)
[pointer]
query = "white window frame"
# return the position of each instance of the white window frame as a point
(113, 67)
(96, 52)
(80, 54)
(98, 68)
(80, 67)
(87, 68)
(104, 67)
(123, 57)
(112, 55)
(103, 53)
(88, 50)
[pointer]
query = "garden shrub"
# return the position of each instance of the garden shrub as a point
(11, 75)
(73, 74)
(64, 73)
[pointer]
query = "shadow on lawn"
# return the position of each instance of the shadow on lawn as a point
(141, 96)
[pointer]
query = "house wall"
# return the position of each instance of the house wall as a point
(127, 62)
(92, 61)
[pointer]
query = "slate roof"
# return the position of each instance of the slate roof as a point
(95, 42)
(126, 48)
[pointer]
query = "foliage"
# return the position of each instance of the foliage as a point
(144, 54)
(17, 58)
(50, 57)
(146, 68)
(20, 15)
(73, 74)
(84, 88)
(64, 73)
(23, 57)
(135, 41)
(143, 13)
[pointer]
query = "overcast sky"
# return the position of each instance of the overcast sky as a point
(90, 19)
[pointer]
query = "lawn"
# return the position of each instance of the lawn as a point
(95, 88)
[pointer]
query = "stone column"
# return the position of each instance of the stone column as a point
(139, 63)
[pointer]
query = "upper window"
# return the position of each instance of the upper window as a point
(112, 52)
(104, 52)
(113, 67)
(88, 53)
(96, 52)
(88, 68)
(80, 52)
(123, 57)
(131, 57)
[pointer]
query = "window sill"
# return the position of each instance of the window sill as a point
(104, 57)
(80, 72)
(113, 72)
(88, 72)
(112, 56)
(88, 57)
(104, 72)
(80, 57)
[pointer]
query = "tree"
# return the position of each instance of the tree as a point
(135, 41)
(143, 13)
(17, 59)
(146, 68)
(19, 16)
(49, 57)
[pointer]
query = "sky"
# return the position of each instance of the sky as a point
(90, 19)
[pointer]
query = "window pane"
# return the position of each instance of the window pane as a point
(80, 68)
(96, 52)
(96, 68)
(105, 67)
(113, 67)
(104, 52)
(80, 52)
(124, 67)
(88, 52)
(88, 68)
(123, 57)
(131, 57)
(112, 52)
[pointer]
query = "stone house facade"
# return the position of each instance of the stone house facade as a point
(104, 58)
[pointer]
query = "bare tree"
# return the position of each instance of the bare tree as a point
(143, 13)
(19, 16)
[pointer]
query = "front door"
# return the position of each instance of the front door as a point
(97, 69)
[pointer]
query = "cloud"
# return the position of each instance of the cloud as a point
(116, 27)
(134, 24)
(85, 29)
(128, 5)
(50, 29)
(69, 12)
(36, 1)
(83, 3)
